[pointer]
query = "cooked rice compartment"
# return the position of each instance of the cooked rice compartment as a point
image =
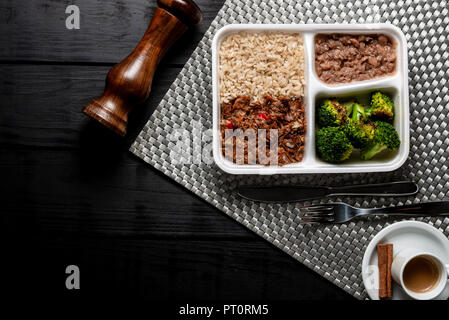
(261, 81)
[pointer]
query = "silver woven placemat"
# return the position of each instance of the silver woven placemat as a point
(335, 251)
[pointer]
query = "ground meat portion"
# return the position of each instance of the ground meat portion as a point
(342, 58)
(284, 115)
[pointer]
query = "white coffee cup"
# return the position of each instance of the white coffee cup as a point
(401, 260)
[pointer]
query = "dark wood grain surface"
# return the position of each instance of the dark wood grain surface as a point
(72, 193)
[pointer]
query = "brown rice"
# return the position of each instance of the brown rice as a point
(258, 63)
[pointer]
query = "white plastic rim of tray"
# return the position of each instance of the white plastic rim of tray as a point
(311, 164)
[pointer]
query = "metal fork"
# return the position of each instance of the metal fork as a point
(341, 212)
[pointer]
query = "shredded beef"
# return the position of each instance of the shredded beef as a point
(342, 58)
(285, 115)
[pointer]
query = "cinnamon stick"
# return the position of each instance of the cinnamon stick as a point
(385, 259)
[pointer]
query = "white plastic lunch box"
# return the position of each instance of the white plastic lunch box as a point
(395, 85)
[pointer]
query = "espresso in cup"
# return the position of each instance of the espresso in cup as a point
(421, 274)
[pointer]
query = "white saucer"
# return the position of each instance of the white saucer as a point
(402, 235)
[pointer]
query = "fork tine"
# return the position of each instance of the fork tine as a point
(322, 221)
(316, 220)
(317, 211)
(312, 219)
(318, 207)
(318, 214)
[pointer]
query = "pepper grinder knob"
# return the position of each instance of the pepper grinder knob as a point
(128, 83)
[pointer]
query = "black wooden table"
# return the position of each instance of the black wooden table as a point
(71, 193)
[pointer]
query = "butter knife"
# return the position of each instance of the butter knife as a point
(302, 193)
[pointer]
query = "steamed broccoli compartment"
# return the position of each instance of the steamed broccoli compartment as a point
(345, 126)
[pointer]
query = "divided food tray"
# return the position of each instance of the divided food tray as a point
(396, 85)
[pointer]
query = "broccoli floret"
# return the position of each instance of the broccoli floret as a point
(385, 137)
(348, 106)
(358, 113)
(381, 107)
(331, 114)
(333, 145)
(359, 133)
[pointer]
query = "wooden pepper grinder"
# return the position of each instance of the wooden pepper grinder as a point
(129, 82)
